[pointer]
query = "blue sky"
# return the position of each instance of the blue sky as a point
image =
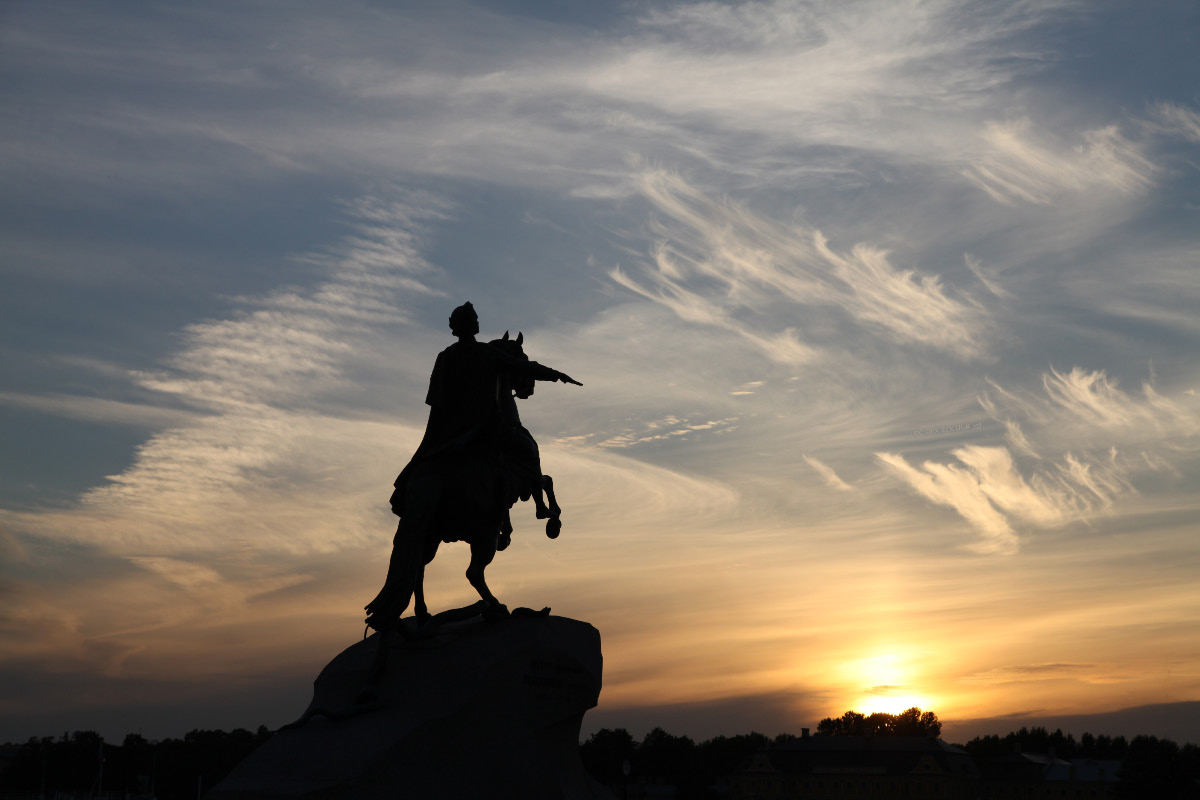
(886, 316)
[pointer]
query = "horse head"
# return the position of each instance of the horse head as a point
(522, 386)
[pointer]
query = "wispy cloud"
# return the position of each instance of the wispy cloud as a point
(828, 475)
(295, 342)
(99, 409)
(976, 268)
(200, 480)
(993, 496)
(1015, 166)
(1176, 120)
(503, 99)
(1086, 418)
(715, 261)
(961, 490)
(1086, 411)
(653, 431)
(265, 458)
(1095, 399)
(1023, 673)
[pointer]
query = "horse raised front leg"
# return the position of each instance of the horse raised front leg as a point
(483, 550)
(553, 524)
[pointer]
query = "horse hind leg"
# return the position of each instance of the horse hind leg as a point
(483, 550)
(419, 608)
(553, 524)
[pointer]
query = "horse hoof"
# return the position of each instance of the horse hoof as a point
(553, 527)
(494, 612)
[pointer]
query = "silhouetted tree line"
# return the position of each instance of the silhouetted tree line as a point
(694, 768)
(1043, 742)
(82, 762)
(1151, 768)
(1159, 769)
(664, 758)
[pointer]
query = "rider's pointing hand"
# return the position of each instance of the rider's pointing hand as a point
(565, 378)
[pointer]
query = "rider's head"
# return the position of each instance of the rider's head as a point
(464, 321)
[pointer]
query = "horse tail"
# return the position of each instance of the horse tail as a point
(401, 583)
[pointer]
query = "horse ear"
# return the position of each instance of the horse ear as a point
(504, 338)
(520, 337)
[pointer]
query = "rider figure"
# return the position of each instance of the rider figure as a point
(464, 409)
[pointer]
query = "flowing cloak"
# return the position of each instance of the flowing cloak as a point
(465, 421)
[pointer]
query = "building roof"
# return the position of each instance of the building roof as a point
(892, 755)
(1088, 770)
(1023, 767)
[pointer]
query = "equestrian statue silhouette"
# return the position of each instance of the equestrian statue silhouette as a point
(475, 461)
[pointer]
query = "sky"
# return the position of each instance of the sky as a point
(885, 315)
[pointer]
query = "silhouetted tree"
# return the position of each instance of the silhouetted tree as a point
(1155, 769)
(987, 746)
(1112, 748)
(693, 769)
(28, 763)
(78, 762)
(851, 723)
(130, 767)
(201, 759)
(175, 767)
(669, 758)
(721, 756)
(1189, 754)
(1041, 741)
(915, 722)
(912, 722)
(605, 752)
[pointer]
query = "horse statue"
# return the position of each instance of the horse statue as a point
(475, 462)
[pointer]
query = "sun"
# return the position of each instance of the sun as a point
(884, 683)
(891, 704)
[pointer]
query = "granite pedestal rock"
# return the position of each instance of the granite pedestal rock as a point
(480, 710)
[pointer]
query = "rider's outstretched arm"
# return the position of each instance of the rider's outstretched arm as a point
(539, 372)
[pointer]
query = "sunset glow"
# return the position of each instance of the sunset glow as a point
(888, 685)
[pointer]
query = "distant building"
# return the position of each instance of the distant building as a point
(1031, 775)
(848, 767)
